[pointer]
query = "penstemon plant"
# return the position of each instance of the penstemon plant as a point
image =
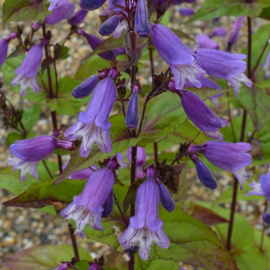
(122, 166)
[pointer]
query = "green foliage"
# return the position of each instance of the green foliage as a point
(24, 10)
(43, 257)
(30, 117)
(217, 8)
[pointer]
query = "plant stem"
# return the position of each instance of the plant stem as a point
(120, 210)
(263, 230)
(47, 169)
(74, 243)
(242, 138)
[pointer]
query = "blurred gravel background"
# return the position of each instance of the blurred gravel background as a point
(25, 228)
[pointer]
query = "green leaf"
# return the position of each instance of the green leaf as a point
(265, 246)
(192, 242)
(24, 10)
(65, 103)
(13, 136)
(108, 44)
(257, 103)
(216, 8)
(120, 139)
(166, 18)
(39, 195)
(265, 14)
(82, 265)
(90, 67)
(43, 257)
(31, 116)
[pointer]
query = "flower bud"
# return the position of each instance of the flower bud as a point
(218, 31)
(140, 161)
(186, 11)
(141, 24)
(109, 26)
(85, 88)
(165, 198)
(78, 17)
(266, 218)
(91, 4)
(235, 32)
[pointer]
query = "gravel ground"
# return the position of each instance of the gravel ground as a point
(25, 228)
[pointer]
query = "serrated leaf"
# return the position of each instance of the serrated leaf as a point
(39, 195)
(257, 104)
(24, 10)
(108, 44)
(120, 139)
(217, 8)
(43, 257)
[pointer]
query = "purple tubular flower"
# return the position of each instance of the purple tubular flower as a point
(94, 42)
(205, 176)
(201, 115)
(266, 218)
(94, 266)
(26, 73)
(166, 199)
(27, 153)
(82, 174)
(85, 88)
(218, 31)
(224, 65)
(186, 11)
(88, 207)
(4, 48)
(140, 161)
(262, 188)
(93, 125)
(204, 41)
(235, 32)
(63, 11)
(36, 25)
(141, 24)
(108, 206)
(109, 26)
(78, 17)
(266, 67)
(132, 118)
(63, 266)
(91, 4)
(145, 227)
(178, 56)
(230, 157)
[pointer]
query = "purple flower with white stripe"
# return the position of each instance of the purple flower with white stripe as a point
(230, 157)
(178, 56)
(4, 47)
(140, 160)
(224, 65)
(93, 125)
(95, 201)
(27, 153)
(145, 227)
(26, 72)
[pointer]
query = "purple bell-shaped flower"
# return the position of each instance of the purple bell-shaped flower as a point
(93, 125)
(205, 176)
(178, 56)
(141, 24)
(78, 17)
(145, 227)
(26, 72)
(140, 160)
(63, 11)
(4, 47)
(27, 153)
(224, 65)
(132, 118)
(94, 202)
(230, 157)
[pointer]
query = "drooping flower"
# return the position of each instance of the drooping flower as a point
(219, 32)
(94, 42)
(91, 4)
(140, 160)
(63, 11)
(85, 88)
(266, 67)
(145, 227)
(186, 11)
(27, 153)
(200, 114)
(94, 202)
(206, 42)
(4, 47)
(235, 32)
(78, 17)
(224, 65)
(204, 174)
(132, 118)
(26, 72)
(93, 125)
(230, 157)
(141, 24)
(166, 199)
(178, 56)
(109, 26)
